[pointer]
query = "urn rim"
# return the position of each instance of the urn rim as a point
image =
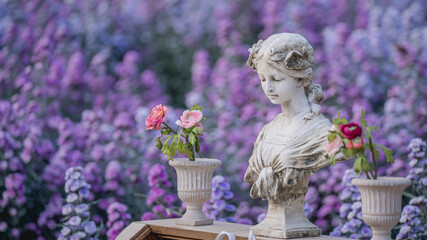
(382, 181)
(197, 162)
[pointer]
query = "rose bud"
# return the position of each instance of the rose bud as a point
(358, 143)
(349, 145)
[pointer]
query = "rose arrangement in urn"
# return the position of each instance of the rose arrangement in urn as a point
(346, 138)
(194, 178)
(381, 196)
(184, 141)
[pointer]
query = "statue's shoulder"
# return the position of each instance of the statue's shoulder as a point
(320, 124)
(264, 130)
(319, 121)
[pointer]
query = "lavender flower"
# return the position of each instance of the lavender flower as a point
(77, 223)
(118, 219)
(418, 162)
(350, 212)
(413, 213)
(217, 207)
(69, 99)
(159, 197)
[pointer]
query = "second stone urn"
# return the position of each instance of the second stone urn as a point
(381, 203)
(194, 180)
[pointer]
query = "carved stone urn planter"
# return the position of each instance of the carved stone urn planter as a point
(194, 180)
(381, 203)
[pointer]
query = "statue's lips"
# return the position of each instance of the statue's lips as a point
(272, 95)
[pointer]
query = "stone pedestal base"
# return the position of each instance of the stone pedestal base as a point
(286, 219)
(286, 233)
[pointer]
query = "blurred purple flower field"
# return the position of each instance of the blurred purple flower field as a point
(78, 79)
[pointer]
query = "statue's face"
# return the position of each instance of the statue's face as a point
(279, 87)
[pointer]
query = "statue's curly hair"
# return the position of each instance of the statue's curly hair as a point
(293, 54)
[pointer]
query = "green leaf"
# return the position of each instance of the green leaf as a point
(336, 122)
(357, 167)
(192, 139)
(375, 128)
(333, 160)
(181, 147)
(360, 151)
(165, 131)
(366, 166)
(159, 144)
(362, 120)
(387, 152)
(196, 107)
(331, 137)
(173, 148)
(197, 146)
(168, 139)
(376, 152)
(165, 150)
(186, 131)
(348, 152)
(189, 153)
(362, 115)
(343, 120)
(196, 130)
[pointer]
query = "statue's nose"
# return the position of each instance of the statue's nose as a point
(269, 86)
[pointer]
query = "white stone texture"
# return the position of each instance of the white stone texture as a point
(194, 180)
(292, 147)
(381, 203)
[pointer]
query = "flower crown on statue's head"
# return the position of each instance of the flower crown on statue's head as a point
(296, 54)
(253, 52)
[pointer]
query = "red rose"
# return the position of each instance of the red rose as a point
(351, 130)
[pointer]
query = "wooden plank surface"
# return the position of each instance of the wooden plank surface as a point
(136, 231)
(166, 228)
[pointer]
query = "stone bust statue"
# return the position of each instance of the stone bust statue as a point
(290, 148)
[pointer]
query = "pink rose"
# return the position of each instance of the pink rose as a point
(335, 145)
(155, 119)
(190, 118)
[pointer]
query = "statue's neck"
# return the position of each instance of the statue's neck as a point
(299, 105)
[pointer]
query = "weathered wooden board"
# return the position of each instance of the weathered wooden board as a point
(167, 229)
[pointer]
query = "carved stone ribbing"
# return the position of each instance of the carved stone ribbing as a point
(381, 203)
(194, 180)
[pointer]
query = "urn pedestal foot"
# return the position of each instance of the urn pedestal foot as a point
(194, 216)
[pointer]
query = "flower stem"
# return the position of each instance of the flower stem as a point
(373, 158)
(170, 128)
(367, 175)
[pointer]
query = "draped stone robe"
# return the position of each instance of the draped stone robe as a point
(279, 161)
